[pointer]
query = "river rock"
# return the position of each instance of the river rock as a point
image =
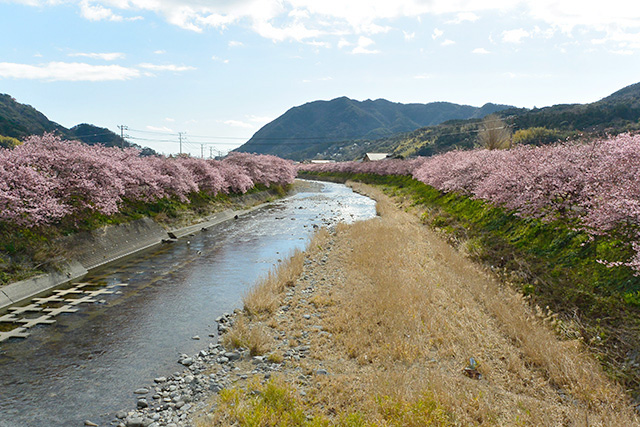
(134, 422)
(160, 380)
(187, 361)
(141, 391)
(142, 403)
(90, 424)
(232, 355)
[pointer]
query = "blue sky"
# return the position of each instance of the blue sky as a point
(218, 70)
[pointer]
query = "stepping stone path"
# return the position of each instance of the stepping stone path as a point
(9, 318)
(57, 296)
(86, 298)
(25, 309)
(99, 292)
(50, 298)
(15, 333)
(64, 292)
(30, 323)
(64, 309)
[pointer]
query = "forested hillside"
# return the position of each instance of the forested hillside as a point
(308, 130)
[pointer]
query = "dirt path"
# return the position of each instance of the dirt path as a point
(386, 324)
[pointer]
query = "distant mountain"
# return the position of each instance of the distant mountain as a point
(614, 114)
(308, 130)
(20, 120)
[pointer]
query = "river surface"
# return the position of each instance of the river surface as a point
(87, 365)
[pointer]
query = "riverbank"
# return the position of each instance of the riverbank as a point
(383, 323)
(90, 250)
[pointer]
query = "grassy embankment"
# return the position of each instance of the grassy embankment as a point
(392, 314)
(26, 252)
(555, 266)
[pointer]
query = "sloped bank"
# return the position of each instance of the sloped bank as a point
(551, 263)
(106, 245)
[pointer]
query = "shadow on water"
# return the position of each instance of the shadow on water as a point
(87, 364)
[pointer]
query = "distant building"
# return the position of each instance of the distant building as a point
(320, 162)
(374, 157)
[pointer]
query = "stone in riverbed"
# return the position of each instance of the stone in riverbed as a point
(141, 391)
(161, 380)
(90, 424)
(142, 403)
(232, 355)
(187, 361)
(134, 422)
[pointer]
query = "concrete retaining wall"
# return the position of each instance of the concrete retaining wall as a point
(90, 250)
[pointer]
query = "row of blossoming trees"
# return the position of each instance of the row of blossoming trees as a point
(595, 186)
(46, 178)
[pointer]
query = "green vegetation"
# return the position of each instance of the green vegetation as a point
(550, 262)
(274, 404)
(538, 136)
(8, 142)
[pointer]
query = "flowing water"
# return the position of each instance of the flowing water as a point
(87, 365)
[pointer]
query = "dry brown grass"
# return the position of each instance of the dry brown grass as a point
(405, 312)
(416, 310)
(264, 297)
(249, 335)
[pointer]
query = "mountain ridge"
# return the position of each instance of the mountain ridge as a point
(19, 120)
(303, 131)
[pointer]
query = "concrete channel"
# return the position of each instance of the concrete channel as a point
(92, 250)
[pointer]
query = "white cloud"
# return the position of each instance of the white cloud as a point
(234, 43)
(447, 42)
(319, 44)
(343, 43)
(169, 119)
(464, 17)
(96, 12)
(437, 33)
(238, 124)
(515, 36)
(104, 56)
(65, 71)
(304, 20)
(260, 119)
(167, 67)
(423, 76)
(160, 52)
(224, 61)
(160, 129)
(480, 51)
(363, 46)
(409, 36)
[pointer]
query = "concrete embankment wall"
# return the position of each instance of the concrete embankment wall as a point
(90, 250)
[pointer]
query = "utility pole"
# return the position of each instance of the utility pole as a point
(122, 129)
(210, 153)
(180, 138)
(202, 151)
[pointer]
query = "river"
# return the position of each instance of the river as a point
(87, 365)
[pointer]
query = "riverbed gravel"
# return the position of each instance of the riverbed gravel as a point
(174, 400)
